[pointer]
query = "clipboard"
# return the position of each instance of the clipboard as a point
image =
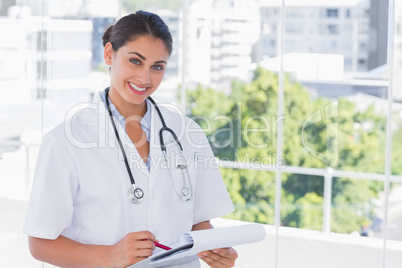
(191, 243)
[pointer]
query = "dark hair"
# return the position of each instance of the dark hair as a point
(140, 23)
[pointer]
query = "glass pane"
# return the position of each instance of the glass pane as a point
(50, 60)
(302, 201)
(335, 110)
(230, 107)
(394, 224)
(357, 216)
(397, 94)
(234, 110)
(253, 193)
(335, 114)
(21, 121)
(394, 217)
(394, 212)
(334, 87)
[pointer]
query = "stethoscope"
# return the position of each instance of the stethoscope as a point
(136, 194)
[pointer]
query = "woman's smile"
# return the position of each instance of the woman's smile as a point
(137, 89)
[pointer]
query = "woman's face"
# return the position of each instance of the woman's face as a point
(136, 69)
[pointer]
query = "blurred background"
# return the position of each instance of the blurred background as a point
(301, 101)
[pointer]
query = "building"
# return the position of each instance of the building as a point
(335, 27)
(355, 30)
(42, 59)
(378, 33)
(397, 83)
(221, 36)
(172, 20)
(168, 89)
(235, 30)
(73, 9)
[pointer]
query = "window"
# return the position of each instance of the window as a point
(317, 171)
(348, 13)
(332, 13)
(334, 45)
(50, 70)
(362, 46)
(294, 13)
(294, 28)
(333, 29)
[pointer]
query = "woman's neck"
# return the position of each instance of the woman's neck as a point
(127, 109)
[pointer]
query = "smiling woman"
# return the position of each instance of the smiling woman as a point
(89, 208)
(137, 64)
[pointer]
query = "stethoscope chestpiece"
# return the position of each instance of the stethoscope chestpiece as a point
(135, 195)
(185, 194)
(185, 191)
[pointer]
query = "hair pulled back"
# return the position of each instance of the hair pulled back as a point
(137, 24)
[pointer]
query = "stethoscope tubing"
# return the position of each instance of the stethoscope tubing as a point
(134, 189)
(164, 128)
(118, 139)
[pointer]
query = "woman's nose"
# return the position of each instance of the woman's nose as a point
(143, 76)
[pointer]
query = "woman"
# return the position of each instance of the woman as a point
(104, 192)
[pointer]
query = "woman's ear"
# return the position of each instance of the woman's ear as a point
(107, 53)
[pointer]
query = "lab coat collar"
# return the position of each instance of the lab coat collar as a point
(97, 116)
(95, 113)
(102, 113)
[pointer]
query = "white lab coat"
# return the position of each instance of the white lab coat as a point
(81, 182)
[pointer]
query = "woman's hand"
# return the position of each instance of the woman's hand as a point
(64, 252)
(216, 258)
(219, 258)
(134, 247)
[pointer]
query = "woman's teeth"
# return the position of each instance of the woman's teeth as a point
(137, 88)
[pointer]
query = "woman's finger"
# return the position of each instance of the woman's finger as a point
(224, 257)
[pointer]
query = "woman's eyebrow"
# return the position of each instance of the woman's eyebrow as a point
(138, 54)
(143, 58)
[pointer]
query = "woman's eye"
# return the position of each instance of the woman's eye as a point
(135, 61)
(158, 67)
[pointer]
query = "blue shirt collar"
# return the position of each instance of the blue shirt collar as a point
(145, 121)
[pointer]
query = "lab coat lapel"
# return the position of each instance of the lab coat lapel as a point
(96, 115)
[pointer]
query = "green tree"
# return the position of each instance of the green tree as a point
(317, 133)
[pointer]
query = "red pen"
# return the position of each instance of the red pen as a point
(162, 246)
(159, 245)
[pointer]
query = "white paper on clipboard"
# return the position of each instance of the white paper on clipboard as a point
(194, 242)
